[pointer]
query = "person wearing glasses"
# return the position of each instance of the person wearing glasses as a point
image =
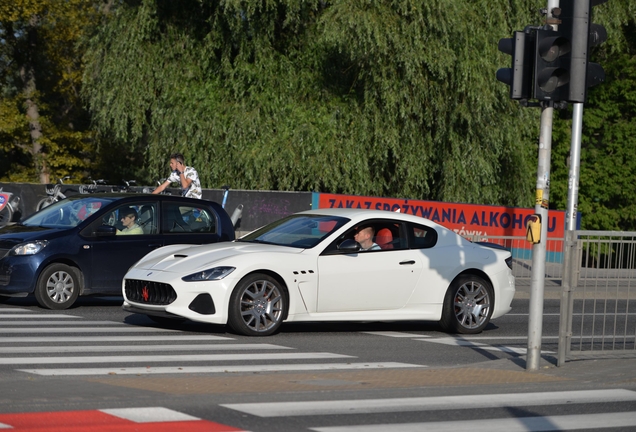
(129, 219)
(186, 176)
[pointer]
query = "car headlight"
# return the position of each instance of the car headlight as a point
(30, 248)
(215, 273)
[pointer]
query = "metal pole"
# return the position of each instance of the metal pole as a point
(542, 201)
(537, 280)
(570, 262)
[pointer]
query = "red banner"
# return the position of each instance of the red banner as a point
(464, 219)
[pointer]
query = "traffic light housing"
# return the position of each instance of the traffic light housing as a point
(519, 75)
(576, 25)
(551, 66)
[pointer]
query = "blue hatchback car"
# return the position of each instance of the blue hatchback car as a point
(84, 244)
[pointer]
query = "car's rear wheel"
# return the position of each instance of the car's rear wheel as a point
(468, 305)
(257, 306)
(58, 287)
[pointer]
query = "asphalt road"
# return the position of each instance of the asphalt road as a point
(328, 377)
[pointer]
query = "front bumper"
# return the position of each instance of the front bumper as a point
(205, 302)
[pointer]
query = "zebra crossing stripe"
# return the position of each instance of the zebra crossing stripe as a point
(368, 406)
(57, 322)
(19, 316)
(168, 358)
(219, 369)
(516, 424)
(140, 338)
(150, 419)
(122, 329)
(478, 345)
(138, 348)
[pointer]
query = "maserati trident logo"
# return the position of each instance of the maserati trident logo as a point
(145, 294)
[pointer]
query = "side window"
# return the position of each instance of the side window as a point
(179, 218)
(374, 235)
(133, 218)
(422, 237)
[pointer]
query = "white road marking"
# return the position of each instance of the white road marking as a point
(518, 424)
(395, 334)
(466, 343)
(5, 309)
(146, 338)
(13, 316)
(219, 369)
(369, 406)
(149, 415)
(121, 329)
(138, 348)
(67, 323)
(169, 358)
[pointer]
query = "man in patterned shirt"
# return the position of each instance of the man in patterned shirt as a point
(186, 176)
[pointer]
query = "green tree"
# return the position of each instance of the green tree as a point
(383, 98)
(44, 130)
(607, 198)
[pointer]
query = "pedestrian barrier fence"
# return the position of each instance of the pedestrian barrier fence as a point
(597, 274)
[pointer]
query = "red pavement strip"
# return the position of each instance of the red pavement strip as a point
(98, 421)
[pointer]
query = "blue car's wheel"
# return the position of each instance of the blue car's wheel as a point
(58, 287)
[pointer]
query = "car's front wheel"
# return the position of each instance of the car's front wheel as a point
(468, 305)
(257, 306)
(58, 287)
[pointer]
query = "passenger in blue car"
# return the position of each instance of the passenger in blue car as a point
(129, 219)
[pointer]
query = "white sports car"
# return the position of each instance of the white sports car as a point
(308, 267)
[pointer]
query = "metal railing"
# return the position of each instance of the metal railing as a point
(595, 272)
(598, 310)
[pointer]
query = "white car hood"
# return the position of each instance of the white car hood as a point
(185, 258)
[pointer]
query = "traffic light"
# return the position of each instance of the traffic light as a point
(551, 66)
(519, 76)
(576, 26)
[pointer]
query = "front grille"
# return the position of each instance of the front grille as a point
(3, 252)
(146, 292)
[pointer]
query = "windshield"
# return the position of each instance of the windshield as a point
(300, 231)
(67, 213)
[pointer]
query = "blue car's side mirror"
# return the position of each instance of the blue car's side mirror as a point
(106, 231)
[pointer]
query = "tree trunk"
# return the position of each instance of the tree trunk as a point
(30, 97)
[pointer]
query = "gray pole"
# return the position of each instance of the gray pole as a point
(537, 280)
(542, 201)
(570, 261)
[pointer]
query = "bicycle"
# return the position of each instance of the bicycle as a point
(9, 205)
(91, 188)
(54, 194)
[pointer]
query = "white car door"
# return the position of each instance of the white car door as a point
(374, 280)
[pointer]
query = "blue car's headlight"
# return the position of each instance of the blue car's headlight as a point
(215, 273)
(30, 248)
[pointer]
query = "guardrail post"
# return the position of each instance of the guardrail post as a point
(570, 269)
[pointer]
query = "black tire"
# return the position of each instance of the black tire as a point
(6, 214)
(58, 287)
(257, 306)
(468, 305)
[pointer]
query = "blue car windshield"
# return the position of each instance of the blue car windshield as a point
(299, 231)
(67, 213)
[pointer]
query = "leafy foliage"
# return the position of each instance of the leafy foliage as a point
(381, 98)
(40, 67)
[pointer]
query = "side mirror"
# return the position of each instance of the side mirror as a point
(349, 246)
(106, 231)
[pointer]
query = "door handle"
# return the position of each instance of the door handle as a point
(409, 262)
